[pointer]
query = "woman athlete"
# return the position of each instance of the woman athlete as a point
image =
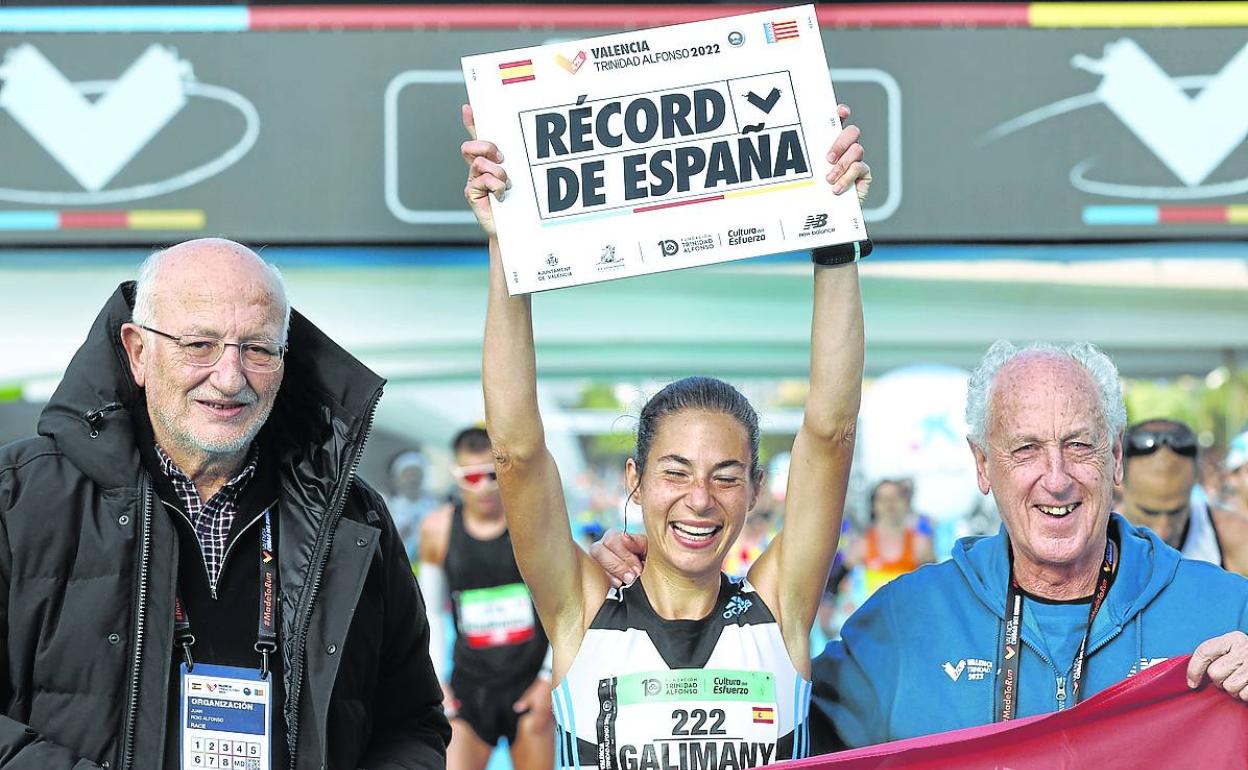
(684, 668)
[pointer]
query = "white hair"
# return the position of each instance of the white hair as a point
(144, 313)
(1099, 367)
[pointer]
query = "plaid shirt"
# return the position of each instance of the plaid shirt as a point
(211, 520)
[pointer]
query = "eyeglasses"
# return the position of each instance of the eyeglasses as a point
(198, 350)
(1179, 438)
(475, 476)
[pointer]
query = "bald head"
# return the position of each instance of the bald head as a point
(194, 303)
(211, 268)
(1091, 366)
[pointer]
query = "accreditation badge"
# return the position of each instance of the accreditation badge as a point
(692, 719)
(497, 616)
(226, 718)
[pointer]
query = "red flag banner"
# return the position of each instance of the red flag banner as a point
(1150, 720)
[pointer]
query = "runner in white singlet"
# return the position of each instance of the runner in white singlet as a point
(684, 669)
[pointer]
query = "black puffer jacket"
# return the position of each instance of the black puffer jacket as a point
(88, 566)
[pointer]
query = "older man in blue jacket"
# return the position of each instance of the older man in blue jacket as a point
(1065, 601)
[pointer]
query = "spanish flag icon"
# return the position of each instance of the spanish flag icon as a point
(764, 715)
(516, 71)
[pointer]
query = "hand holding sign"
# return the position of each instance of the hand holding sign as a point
(846, 155)
(486, 176)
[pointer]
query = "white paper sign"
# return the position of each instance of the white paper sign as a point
(664, 148)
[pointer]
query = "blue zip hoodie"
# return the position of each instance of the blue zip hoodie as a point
(923, 654)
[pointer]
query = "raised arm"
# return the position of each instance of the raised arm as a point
(791, 573)
(561, 578)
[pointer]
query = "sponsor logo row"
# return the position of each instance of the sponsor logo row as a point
(611, 258)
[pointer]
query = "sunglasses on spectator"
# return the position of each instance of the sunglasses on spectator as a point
(1179, 439)
(474, 476)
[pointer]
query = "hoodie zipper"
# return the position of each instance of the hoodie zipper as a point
(132, 704)
(321, 557)
(1060, 690)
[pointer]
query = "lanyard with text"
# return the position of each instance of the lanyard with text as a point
(1011, 644)
(266, 635)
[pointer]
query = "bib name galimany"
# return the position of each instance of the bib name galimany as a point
(695, 755)
(620, 49)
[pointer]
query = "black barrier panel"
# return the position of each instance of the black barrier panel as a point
(351, 136)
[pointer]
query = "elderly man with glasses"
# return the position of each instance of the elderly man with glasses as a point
(1159, 464)
(192, 575)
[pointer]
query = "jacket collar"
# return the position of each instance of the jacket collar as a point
(1147, 565)
(320, 417)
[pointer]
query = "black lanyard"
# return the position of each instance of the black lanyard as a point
(1011, 649)
(266, 635)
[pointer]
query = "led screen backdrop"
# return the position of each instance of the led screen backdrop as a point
(341, 125)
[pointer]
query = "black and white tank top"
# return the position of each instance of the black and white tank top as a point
(645, 693)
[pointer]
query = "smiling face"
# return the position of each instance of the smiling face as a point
(203, 414)
(1051, 465)
(695, 491)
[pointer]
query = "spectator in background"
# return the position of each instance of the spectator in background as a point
(499, 682)
(892, 545)
(1230, 515)
(409, 504)
(1236, 479)
(1211, 473)
(1160, 468)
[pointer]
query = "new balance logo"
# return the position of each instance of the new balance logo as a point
(816, 221)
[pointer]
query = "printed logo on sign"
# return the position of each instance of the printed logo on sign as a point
(572, 65)
(691, 244)
(779, 31)
(651, 687)
(815, 224)
(669, 247)
(740, 236)
(1208, 121)
(516, 72)
(736, 39)
(609, 260)
(554, 271)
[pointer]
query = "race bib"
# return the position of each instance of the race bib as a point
(496, 617)
(226, 718)
(693, 719)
